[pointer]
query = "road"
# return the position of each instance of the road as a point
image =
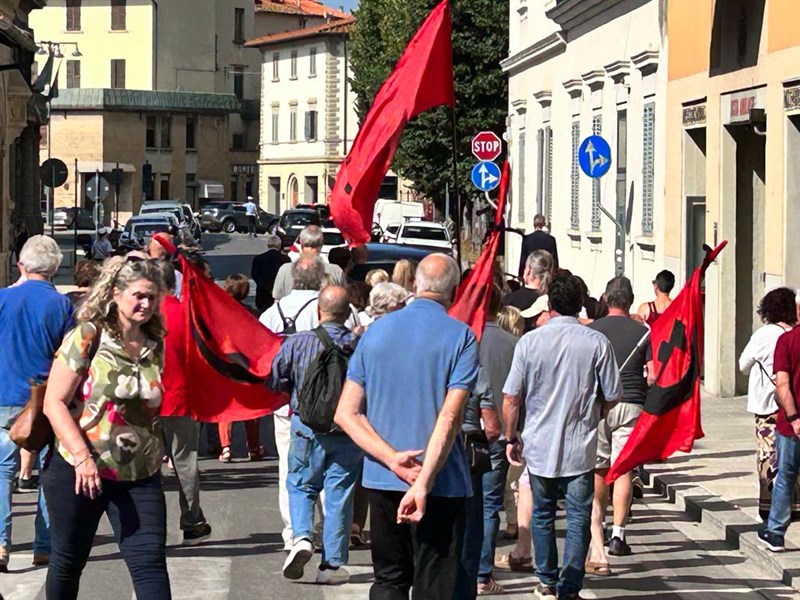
(674, 559)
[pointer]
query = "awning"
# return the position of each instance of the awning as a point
(210, 189)
(92, 166)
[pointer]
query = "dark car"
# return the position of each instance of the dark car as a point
(385, 256)
(230, 217)
(66, 217)
(293, 221)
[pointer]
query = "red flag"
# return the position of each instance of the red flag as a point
(422, 79)
(671, 417)
(475, 292)
(229, 354)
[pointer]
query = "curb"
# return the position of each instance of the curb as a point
(729, 524)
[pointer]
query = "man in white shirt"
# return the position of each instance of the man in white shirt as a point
(251, 210)
(311, 242)
(102, 248)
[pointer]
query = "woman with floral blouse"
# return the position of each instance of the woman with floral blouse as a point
(103, 398)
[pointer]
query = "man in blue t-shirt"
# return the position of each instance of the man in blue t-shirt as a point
(33, 319)
(403, 402)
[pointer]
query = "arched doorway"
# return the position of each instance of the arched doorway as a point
(293, 191)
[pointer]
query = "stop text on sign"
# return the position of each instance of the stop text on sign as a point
(486, 146)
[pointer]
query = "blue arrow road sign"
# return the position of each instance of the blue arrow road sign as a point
(486, 176)
(594, 156)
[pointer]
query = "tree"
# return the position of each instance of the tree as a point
(480, 42)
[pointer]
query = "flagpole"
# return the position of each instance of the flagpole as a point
(456, 190)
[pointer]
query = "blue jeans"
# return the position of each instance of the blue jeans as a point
(316, 463)
(780, 513)
(579, 491)
(471, 546)
(494, 485)
(9, 464)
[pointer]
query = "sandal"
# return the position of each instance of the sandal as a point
(599, 569)
(225, 456)
(512, 563)
(490, 588)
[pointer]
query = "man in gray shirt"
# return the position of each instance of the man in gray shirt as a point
(557, 370)
(311, 242)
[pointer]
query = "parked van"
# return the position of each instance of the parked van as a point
(388, 212)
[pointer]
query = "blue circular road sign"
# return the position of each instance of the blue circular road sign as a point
(594, 156)
(486, 176)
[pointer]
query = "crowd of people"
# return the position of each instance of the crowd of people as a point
(395, 412)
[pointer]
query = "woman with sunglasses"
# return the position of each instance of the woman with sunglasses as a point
(103, 399)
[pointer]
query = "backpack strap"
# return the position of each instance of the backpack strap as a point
(302, 308)
(323, 337)
(280, 313)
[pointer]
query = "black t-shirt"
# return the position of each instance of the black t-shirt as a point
(523, 298)
(624, 333)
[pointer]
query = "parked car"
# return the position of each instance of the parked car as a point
(139, 229)
(425, 234)
(385, 256)
(331, 238)
(293, 221)
(223, 215)
(182, 212)
(323, 210)
(66, 217)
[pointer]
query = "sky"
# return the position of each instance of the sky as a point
(348, 4)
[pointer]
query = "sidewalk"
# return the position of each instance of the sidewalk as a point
(718, 485)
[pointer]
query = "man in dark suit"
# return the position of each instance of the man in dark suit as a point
(538, 240)
(265, 269)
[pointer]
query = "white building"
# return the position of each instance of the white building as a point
(578, 67)
(308, 118)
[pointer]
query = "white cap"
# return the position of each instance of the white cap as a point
(249, 197)
(102, 230)
(541, 305)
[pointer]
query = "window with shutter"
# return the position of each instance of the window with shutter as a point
(118, 16)
(275, 126)
(238, 26)
(293, 124)
(293, 73)
(238, 82)
(548, 199)
(575, 202)
(118, 73)
(276, 58)
(190, 133)
(648, 166)
(166, 131)
(150, 138)
(73, 15)
(73, 73)
(311, 125)
(521, 178)
(312, 60)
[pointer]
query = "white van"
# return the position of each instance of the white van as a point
(388, 212)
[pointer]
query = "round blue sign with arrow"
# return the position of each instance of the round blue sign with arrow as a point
(486, 176)
(594, 156)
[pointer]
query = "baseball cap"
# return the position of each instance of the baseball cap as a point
(534, 310)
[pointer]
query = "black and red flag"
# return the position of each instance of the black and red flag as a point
(228, 355)
(670, 420)
(472, 300)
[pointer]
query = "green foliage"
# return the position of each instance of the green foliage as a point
(480, 42)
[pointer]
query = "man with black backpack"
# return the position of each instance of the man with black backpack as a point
(311, 366)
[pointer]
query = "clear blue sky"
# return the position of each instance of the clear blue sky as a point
(348, 4)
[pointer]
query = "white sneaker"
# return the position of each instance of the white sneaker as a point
(300, 554)
(333, 576)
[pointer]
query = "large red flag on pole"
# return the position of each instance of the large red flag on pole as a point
(670, 420)
(422, 79)
(228, 356)
(472, 300)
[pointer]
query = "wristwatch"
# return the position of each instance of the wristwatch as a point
(794, 417)
(514, 440)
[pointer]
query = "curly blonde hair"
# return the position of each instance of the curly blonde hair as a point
(118, 273)
(510, 319)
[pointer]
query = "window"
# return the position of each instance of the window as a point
(293, 74)
(238, 82)
(575, 200)
(311, 190)
(73, 15)
(276, 61)
(238, 141)
(150, 139)
(274, 194)
(191, 189)
(73, 73)
(311, 125)
(312, 62)
(238, 26)
(190, 131)
(275, 125)
(164, 186)
(166, 127)
(118, 74)
(543, 172)
(293, 123)
(118, 15)
(597, 127)
(521, 176)
(648, 166)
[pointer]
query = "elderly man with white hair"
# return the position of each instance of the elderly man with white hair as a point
(33, 319)
(311, 242)
(398, 404)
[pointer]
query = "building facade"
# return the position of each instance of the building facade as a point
(577, 68)
(733, 155)
(308, 118)
(22, 112)
(140, 85)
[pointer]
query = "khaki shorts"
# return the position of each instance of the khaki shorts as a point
(613, 432)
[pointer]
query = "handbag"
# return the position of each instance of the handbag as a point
(477, 447)
(31, 429)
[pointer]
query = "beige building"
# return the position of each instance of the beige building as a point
(22, 112)
(308, 119)
(166, 89)
(733, 155)
(280, 16)
(575, 69)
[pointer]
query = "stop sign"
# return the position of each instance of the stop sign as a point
(486, 145)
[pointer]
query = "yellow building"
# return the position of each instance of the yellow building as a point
(733, 162)
(166, 89)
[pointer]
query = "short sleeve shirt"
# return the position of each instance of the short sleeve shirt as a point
(787, 360)
(406, 362)
(118, 403)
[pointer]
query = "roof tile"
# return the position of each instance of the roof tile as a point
(333, 28)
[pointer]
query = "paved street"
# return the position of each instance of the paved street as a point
(675, 559)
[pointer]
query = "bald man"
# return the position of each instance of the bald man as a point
(406, 389)
(318, 461)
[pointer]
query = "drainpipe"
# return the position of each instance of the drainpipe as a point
(344, 137)
(155, 44)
